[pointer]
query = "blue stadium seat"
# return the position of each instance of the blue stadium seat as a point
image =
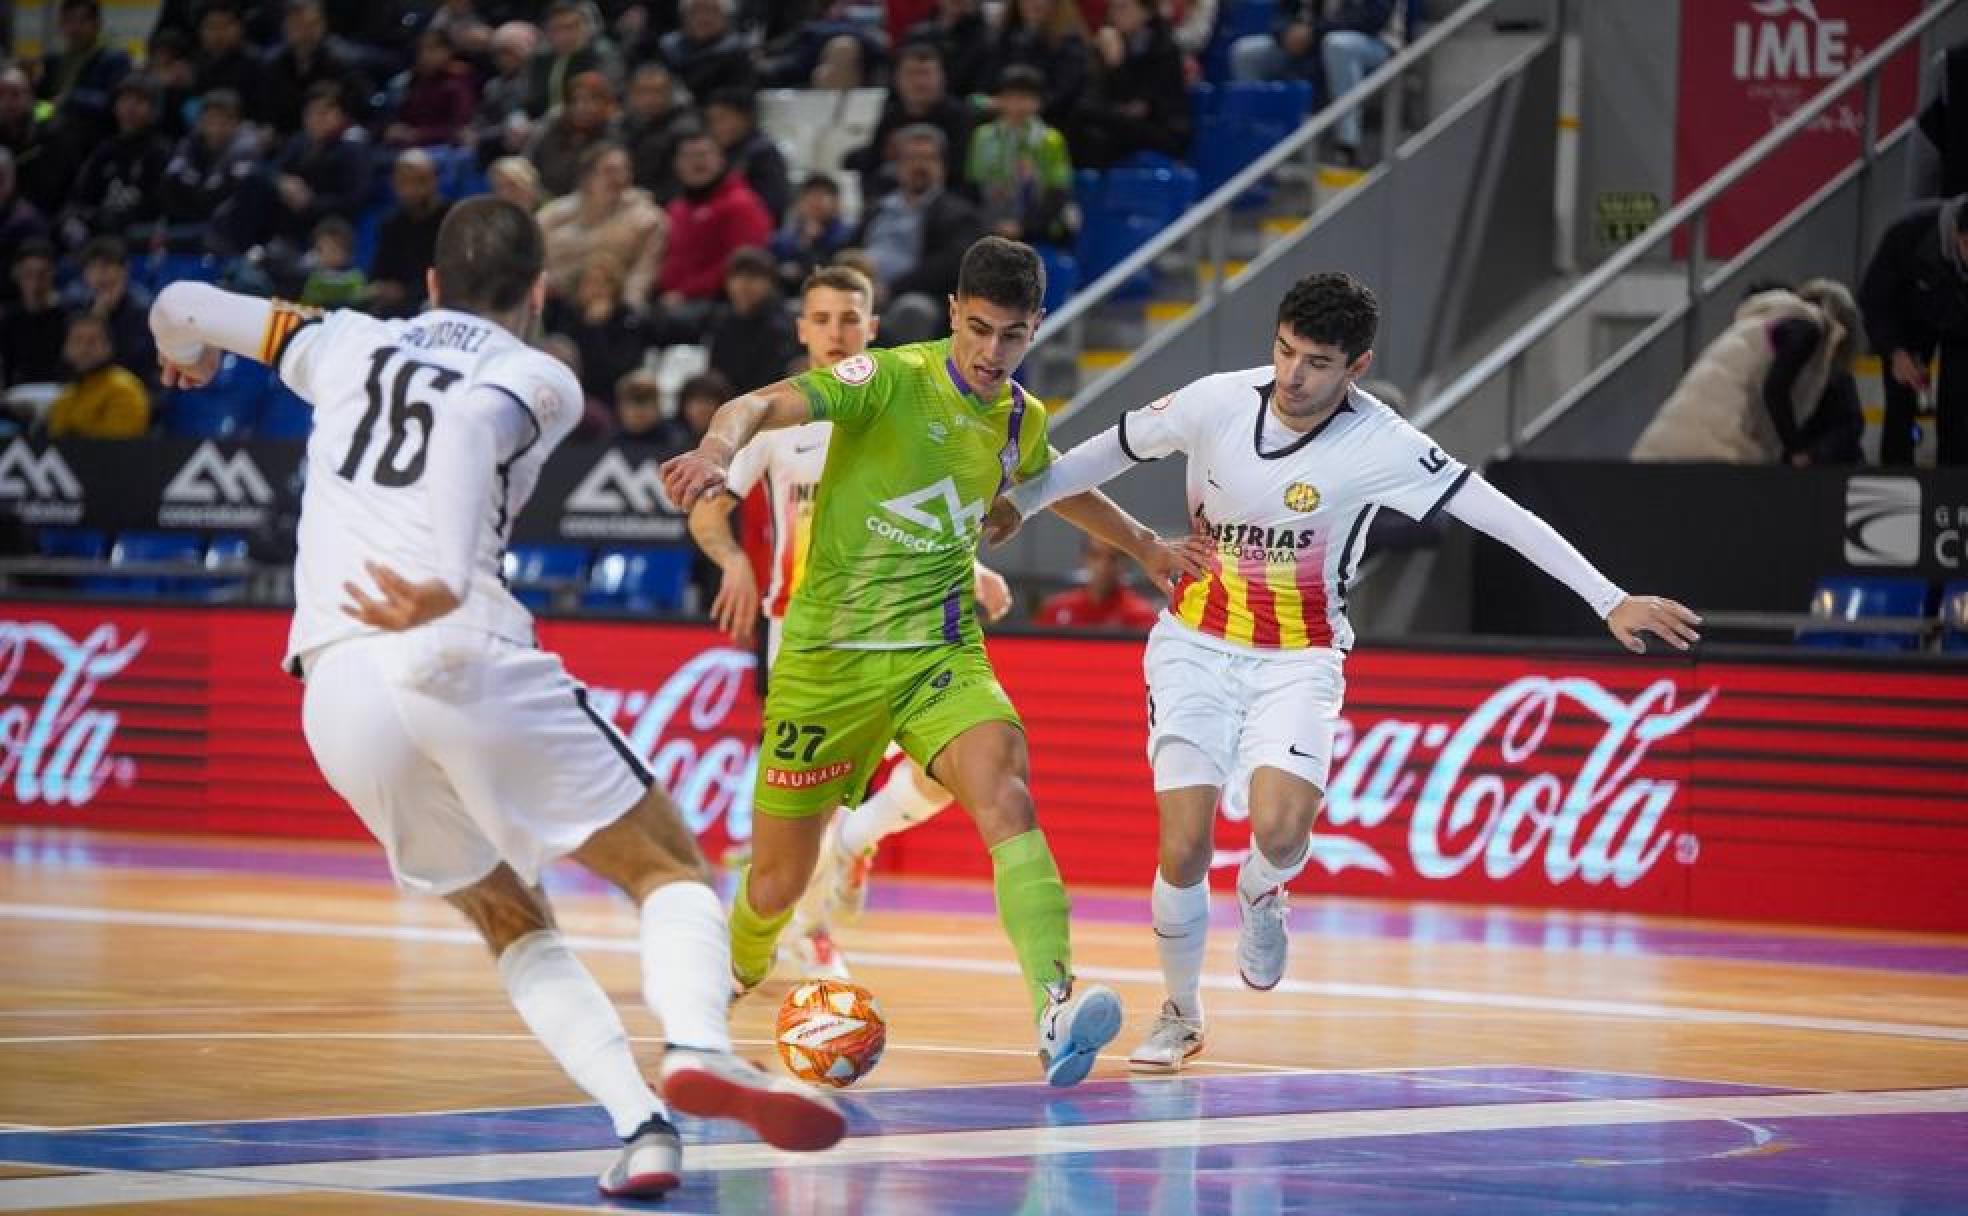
(1858, 597)
(1954, 616)
(1123, 210)
(1235, 19)
(1241, 121)
(157, 270)
(225, 407)
(132, 547)
(638, 580)
(282, 414)
(528, 567)
(226, 553)
(1062, 276)
(88, 543)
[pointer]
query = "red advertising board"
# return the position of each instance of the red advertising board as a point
(1745, 66)
(1830, 791)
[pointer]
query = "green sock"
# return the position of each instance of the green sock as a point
(1032, 904)
(752, 936)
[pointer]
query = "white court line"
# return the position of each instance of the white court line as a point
(1139, 975)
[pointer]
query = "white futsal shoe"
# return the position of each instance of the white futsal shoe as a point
(651, 1163)
(1073, 1029)
(818, 956)
(719, 1085)
(1173, 1042)
(1265, 939)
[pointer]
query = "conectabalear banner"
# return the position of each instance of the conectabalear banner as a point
(1746, 65)
(1822, 789)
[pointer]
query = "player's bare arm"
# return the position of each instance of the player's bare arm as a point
(992, 592)
(689, 477)
(736, 608)
(1164, 561)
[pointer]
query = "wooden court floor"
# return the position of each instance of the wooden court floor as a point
(192, 1026)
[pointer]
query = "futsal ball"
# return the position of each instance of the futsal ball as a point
(831, 1032)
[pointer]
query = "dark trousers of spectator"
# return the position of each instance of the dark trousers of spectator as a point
(1950, 405)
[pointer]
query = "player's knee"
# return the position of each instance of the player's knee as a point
(1185, 861)
(502, 910)
(773, 885)
(1282, 837)
(1005, 808)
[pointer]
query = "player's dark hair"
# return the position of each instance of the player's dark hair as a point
(1003, 272)
(1334, 308)
(489, 254)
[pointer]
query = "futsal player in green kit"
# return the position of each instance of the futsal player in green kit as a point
(882, 642)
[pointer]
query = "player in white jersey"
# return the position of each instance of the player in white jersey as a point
(1287, 465)
(836, 320)
(470, 754)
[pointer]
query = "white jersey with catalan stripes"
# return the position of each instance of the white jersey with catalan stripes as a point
(1289, 510)
(789, 461)
(380, 390)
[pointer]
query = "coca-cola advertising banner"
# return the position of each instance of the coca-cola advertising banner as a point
(1830, 791)
(1746, 65)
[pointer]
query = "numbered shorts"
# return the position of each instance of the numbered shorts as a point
(1237, 711)
(830, 715)
(459, 750)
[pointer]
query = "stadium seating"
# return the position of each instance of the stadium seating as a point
(1954, 616)
(85, 543)
(1062, 276)
(226, 553)
(282, 413)
(1122, 210)
(1859, 598)
(639, 580)
(1238, 122)
(225, 408)
(143, 547)
(535, 572)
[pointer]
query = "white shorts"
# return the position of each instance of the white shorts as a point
(1238, 711)
(459, 750)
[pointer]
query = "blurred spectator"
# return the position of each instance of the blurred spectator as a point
(20, 220)
(207, 167)
(105, 291)
(1333, 43)
(715, 215)
(962, 38)
(1138, 100)
(121, 183)
(844, 64)
(1194, 22)
(613, 338)
(1019, 168)
(698, 401)
(1775, 386)
(918, 95)
(915, 237)
(588, 121)
(308, 56)
(333, 279)
(596, 422)
(33, 325)
(514, 179)
(225, 62)
(323, 171)
(501, 126)
(813, 232)
(639, 416)
(1915, 299)
(1048, 37)
(168, 60)
(748, 334)
(831, 36)
(651, 128)
(406, 244)
(574, 47)
(731, 116)
(80, 79)
(462, 22)
(606, 220)
(437, 97)
(1103, 600)
(102, 400)
(707, 52)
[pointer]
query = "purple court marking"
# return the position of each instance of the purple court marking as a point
(875, 1113)
(1506, 928)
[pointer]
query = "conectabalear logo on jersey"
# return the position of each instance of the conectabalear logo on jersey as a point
(39, 486)
(57, 752)
(938, 510)
(213, 490)
(617, 500)
(1603, 823)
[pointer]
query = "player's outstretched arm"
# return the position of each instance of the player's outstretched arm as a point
(1484, 507)
(194, 323)
(700, 471)
(736, 607)
(1099, 459)
(1163, 561)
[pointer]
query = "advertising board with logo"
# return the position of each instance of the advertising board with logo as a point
(1830, 791)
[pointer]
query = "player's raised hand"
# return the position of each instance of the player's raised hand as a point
(736, 607)
(1667, 620)
(401, 603)
(1001, 522)
(692, 476)
(993, 593)
(196, 374)
(1167, 562)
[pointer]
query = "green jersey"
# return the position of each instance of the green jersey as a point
(915, 461)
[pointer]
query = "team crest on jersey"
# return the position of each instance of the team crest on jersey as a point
(855, 370)
(1162, 404)
(1302, 497)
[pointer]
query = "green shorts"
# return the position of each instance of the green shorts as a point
(830, 714)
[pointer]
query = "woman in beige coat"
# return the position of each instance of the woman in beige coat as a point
(605, 219)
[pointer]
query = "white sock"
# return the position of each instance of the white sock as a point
(686, 965)
(1181, 938)
(1259, 873)
(572, 1017)
(906, 800)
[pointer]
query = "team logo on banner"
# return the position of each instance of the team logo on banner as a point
(1882, 521)
(1301, 497)
(621, 501)
(213, 490)
(39, 486)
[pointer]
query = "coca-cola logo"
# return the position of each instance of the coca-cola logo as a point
(1603, 821)
(58, 751)
(684, 730)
